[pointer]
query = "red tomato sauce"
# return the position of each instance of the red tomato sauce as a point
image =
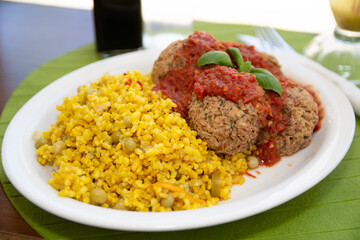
(227, 83)
(180, 84)
(267, 153)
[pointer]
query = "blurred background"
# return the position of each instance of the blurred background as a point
(312, 16)
(32, 31)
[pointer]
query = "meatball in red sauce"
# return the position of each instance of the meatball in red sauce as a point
(227, 108)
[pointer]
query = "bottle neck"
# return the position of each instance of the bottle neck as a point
(346, 35)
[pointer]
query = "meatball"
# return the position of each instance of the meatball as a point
(168, 59)
(227, 127)
(302, 112)
(272, 59)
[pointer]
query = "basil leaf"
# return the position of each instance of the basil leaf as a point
(245, 67)
(266, 80)
(261, 70)
(215, 57)
(237, 56)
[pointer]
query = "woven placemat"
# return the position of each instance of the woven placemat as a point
(330, 210)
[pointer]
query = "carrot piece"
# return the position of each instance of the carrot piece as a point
(128, 82)
(175, 188)
(250, 175)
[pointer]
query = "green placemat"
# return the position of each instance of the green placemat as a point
(330, 210)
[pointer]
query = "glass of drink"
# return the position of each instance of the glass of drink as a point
(340, 51)
(165, 22)
(118, 26)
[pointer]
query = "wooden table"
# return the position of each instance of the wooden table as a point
(31, 35)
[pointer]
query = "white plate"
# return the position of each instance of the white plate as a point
(274, 186)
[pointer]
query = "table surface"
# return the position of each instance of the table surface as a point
(54, 31)
(32, 35)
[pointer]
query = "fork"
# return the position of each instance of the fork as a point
(272, 42)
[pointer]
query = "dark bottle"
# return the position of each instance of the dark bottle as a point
(118, 25)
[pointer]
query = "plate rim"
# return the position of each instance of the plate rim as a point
(219, 210)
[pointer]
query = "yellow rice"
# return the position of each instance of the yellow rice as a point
(167, 150)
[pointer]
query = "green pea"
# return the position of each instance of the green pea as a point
(127, 122)
(115, 137)
(40, 142)
(129, 144)
(98, 196)
(58, 147)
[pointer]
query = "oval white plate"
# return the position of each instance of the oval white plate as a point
(274, 186)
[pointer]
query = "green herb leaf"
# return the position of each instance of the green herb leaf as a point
(245, 67)
(237, 56)
(266, 80)
(215, 57)
(261, 70)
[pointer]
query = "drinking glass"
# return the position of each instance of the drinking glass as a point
(340, 51)
(165, 22)
(118, 26)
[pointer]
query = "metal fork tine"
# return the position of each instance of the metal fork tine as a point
(274, 39)
(268, 37)
(266, 44)
(279, 40)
